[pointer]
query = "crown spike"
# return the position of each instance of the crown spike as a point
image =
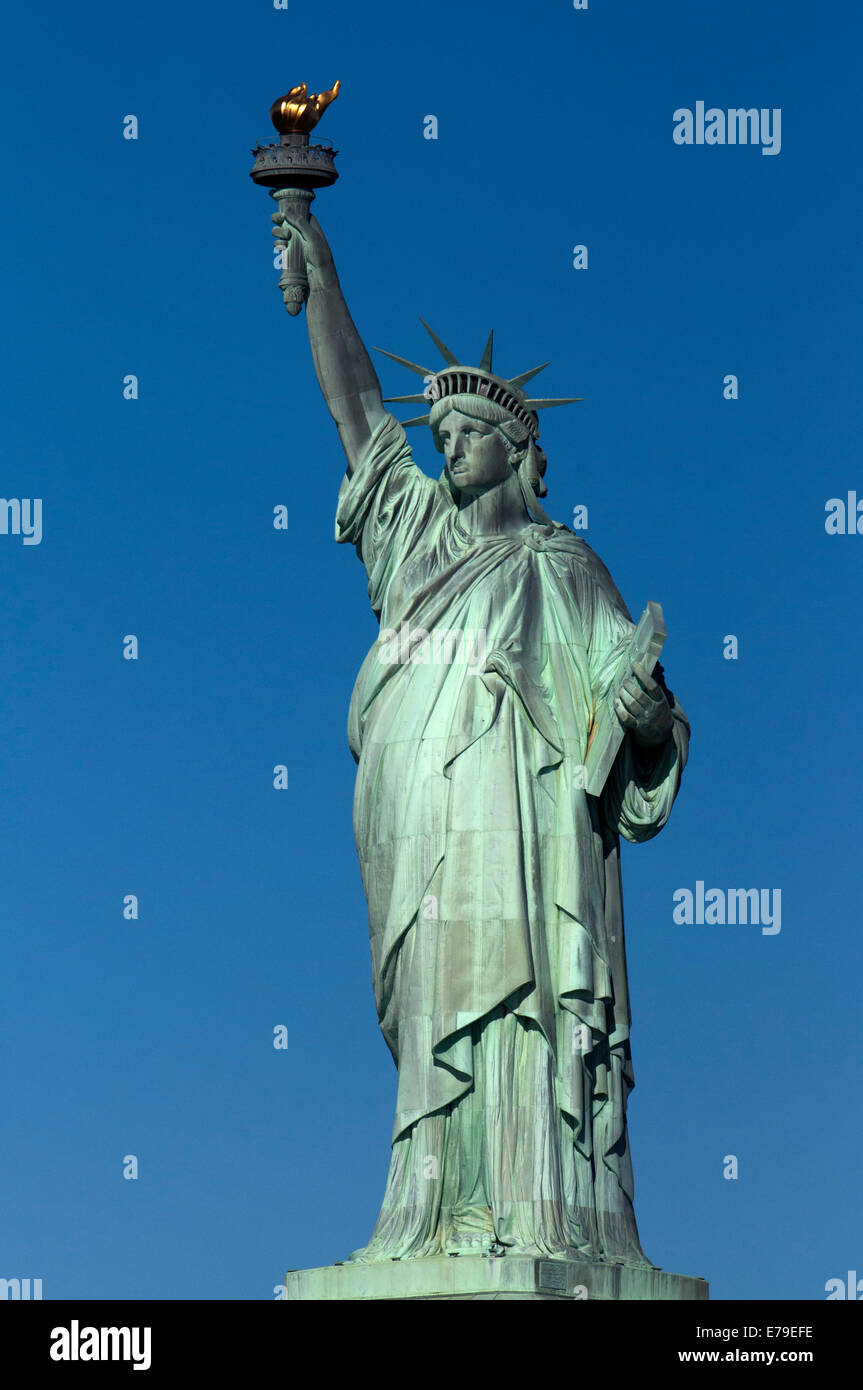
(544, 403)
(413, 400)
(448, 356)
(485, 363)
(403, 361)
(524, 377)
(418, 420)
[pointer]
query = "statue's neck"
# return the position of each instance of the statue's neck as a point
(498, 511)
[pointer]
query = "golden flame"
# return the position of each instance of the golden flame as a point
(301, 109)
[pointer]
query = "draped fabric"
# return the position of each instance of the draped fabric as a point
(492, 878)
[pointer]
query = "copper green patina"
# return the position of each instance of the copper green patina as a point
(492, 876)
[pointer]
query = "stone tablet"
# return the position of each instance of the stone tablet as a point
(608, 732)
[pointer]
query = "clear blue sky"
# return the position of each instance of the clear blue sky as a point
(154, 1037)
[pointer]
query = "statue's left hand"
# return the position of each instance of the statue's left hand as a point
(642, 708)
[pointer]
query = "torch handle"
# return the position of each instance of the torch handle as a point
(294, 203)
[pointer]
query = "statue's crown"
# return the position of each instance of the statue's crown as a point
(457, 378)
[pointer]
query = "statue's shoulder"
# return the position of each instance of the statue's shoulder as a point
(584, 562)
(578, 551)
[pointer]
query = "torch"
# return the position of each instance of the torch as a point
(292, 170)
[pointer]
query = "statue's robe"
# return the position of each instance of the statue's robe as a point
(492, 877)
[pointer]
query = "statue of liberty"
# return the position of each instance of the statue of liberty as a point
(492, 876)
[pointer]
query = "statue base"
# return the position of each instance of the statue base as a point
(465, 1277)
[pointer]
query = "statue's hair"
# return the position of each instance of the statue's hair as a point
(512, 431)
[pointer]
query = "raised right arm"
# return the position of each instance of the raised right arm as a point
(344, 369)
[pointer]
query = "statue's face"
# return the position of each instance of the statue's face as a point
(476, 456)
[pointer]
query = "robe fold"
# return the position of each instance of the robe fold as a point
(492, 878)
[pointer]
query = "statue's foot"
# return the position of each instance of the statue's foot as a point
(360, 1257)
(468, 1243)
(371, 1254)
(376, 1252)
